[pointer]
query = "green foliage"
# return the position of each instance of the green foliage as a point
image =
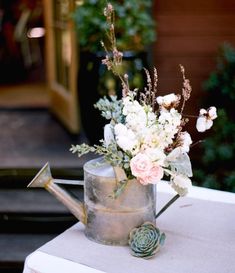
(111, 153)
(110, 108)
(217, 169)
(135, 28)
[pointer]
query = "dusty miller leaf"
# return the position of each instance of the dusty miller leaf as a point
(179, 162)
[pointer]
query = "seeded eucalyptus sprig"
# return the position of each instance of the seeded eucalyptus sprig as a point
(111, 108)
(110, 153)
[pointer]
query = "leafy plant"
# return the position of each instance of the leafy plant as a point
(217, 168)
(135, 28)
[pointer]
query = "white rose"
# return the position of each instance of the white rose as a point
(156, 155)
(136, 121)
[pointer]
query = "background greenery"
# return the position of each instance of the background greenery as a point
(135, 27)
(217, 167)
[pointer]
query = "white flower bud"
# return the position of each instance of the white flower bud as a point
(108, 135)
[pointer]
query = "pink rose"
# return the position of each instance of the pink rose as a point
(145, 170)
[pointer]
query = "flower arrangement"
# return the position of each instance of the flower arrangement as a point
(145, 136)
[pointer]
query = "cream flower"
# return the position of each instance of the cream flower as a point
(136, 117)
(156, 155)
(205, 119)
(168, 100)
(212, 112)
(181, 184)
(185, 141)
(125, 137)
(108, 134)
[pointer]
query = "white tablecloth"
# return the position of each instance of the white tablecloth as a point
(200, 238)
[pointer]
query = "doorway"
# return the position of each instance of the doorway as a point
(30, 132)
(22, 64)
(38, 112)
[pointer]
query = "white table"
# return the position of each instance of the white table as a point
(200, 230)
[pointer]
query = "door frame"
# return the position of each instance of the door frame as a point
(63, 102)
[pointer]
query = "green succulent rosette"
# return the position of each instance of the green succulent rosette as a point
(146, 240)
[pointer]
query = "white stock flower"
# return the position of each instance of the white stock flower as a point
(130, 106)
(205, 119)
(136, 118)
(136, 122)
(168, 125)
(108, 134)
(149, 138)
(125, 137)
(151, 118)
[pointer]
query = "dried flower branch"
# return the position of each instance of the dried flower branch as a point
(148, 89)
(113, 58)
(155, 78)
(186, 90)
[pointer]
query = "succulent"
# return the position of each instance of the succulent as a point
(146, 240)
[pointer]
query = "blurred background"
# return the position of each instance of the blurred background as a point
(51, 75)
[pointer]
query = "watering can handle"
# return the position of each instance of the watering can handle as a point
(173, 199)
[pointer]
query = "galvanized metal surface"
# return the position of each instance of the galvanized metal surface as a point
(108, 220)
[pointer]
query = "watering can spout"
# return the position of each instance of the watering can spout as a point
(45, 180)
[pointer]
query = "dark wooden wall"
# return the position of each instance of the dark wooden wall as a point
(189, 33)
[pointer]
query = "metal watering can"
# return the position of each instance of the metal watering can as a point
(107, 220)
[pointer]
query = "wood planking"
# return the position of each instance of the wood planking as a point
(202, 7)
(186, 24)
(190, 33)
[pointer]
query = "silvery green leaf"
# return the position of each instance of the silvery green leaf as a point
(179, 162)
(120, 188)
